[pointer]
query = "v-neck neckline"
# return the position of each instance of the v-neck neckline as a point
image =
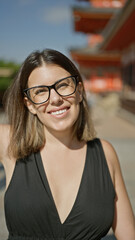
(47, 185)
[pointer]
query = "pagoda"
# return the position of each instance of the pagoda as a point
(119, 35)
(101, 69)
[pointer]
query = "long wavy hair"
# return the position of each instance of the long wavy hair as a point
(27, 133)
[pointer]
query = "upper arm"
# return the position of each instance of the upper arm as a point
(4, 141)
(124, 222)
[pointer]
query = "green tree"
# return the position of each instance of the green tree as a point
(6, 79)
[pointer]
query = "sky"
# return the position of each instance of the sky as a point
(29, 25)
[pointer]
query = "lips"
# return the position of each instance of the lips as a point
(58, 111)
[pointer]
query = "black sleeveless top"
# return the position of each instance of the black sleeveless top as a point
(30, 210)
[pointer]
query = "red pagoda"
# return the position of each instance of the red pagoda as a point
(100, 68)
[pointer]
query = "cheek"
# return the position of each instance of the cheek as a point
(75, 110)
(41, 108)
(74, 99)
(78, 110)
(78, 97)
(40, 112)
(77, 100)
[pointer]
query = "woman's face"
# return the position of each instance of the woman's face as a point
(58, 114)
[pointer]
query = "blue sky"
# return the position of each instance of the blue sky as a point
(29, 25)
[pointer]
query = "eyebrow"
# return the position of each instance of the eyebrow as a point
(49, 85)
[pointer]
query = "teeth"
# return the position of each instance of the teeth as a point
(59, 112)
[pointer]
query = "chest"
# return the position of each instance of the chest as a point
(43, 213)
(64, 176)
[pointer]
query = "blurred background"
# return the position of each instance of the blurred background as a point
(99, 37)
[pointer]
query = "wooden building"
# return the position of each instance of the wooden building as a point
(120, 36)
(100, 68)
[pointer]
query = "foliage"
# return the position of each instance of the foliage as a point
(9, 64)
(5, 81)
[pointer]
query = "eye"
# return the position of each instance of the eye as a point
(39, 91)
(64, 83)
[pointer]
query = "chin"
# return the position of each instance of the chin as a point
(60, 128)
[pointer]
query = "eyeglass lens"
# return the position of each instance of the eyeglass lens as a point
(64, 87)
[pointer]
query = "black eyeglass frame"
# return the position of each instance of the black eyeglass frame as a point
(53, 86)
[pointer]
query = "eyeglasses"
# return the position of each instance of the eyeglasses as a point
(41, 94)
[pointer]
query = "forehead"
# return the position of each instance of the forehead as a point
(46, 75)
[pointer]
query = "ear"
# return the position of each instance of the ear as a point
(80, 91)
(29, 105)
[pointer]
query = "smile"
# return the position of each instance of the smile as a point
(59, 112)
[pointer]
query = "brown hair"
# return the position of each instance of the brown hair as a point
(27, 133)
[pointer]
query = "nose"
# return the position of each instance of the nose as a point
(55, 98)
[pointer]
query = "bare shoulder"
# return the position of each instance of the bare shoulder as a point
(7, 161)
(4, 140)
(111, 158)
(123, 224)
(110, 153)
(4, 131)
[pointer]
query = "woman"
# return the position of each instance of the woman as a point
(62, 182)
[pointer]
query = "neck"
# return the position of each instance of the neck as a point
(59, 139)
